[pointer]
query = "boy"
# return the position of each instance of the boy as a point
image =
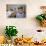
(20, 13)
(42, 18)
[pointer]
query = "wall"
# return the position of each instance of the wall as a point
(25, 26)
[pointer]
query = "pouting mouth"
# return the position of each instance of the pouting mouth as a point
(39, 30)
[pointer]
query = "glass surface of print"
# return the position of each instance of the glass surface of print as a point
(15, 11)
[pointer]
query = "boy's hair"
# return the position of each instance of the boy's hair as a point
(20, 8)
(42, 7)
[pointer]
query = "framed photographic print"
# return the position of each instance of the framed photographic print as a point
(15, 11)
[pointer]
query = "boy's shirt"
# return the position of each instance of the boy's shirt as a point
(20, 15)
(38, 36)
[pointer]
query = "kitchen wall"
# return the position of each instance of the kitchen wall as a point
(26, 25)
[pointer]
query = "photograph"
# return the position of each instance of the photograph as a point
(22, 22)
(15, 11)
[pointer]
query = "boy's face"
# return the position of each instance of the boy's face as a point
(44, 10)
(20, 10)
